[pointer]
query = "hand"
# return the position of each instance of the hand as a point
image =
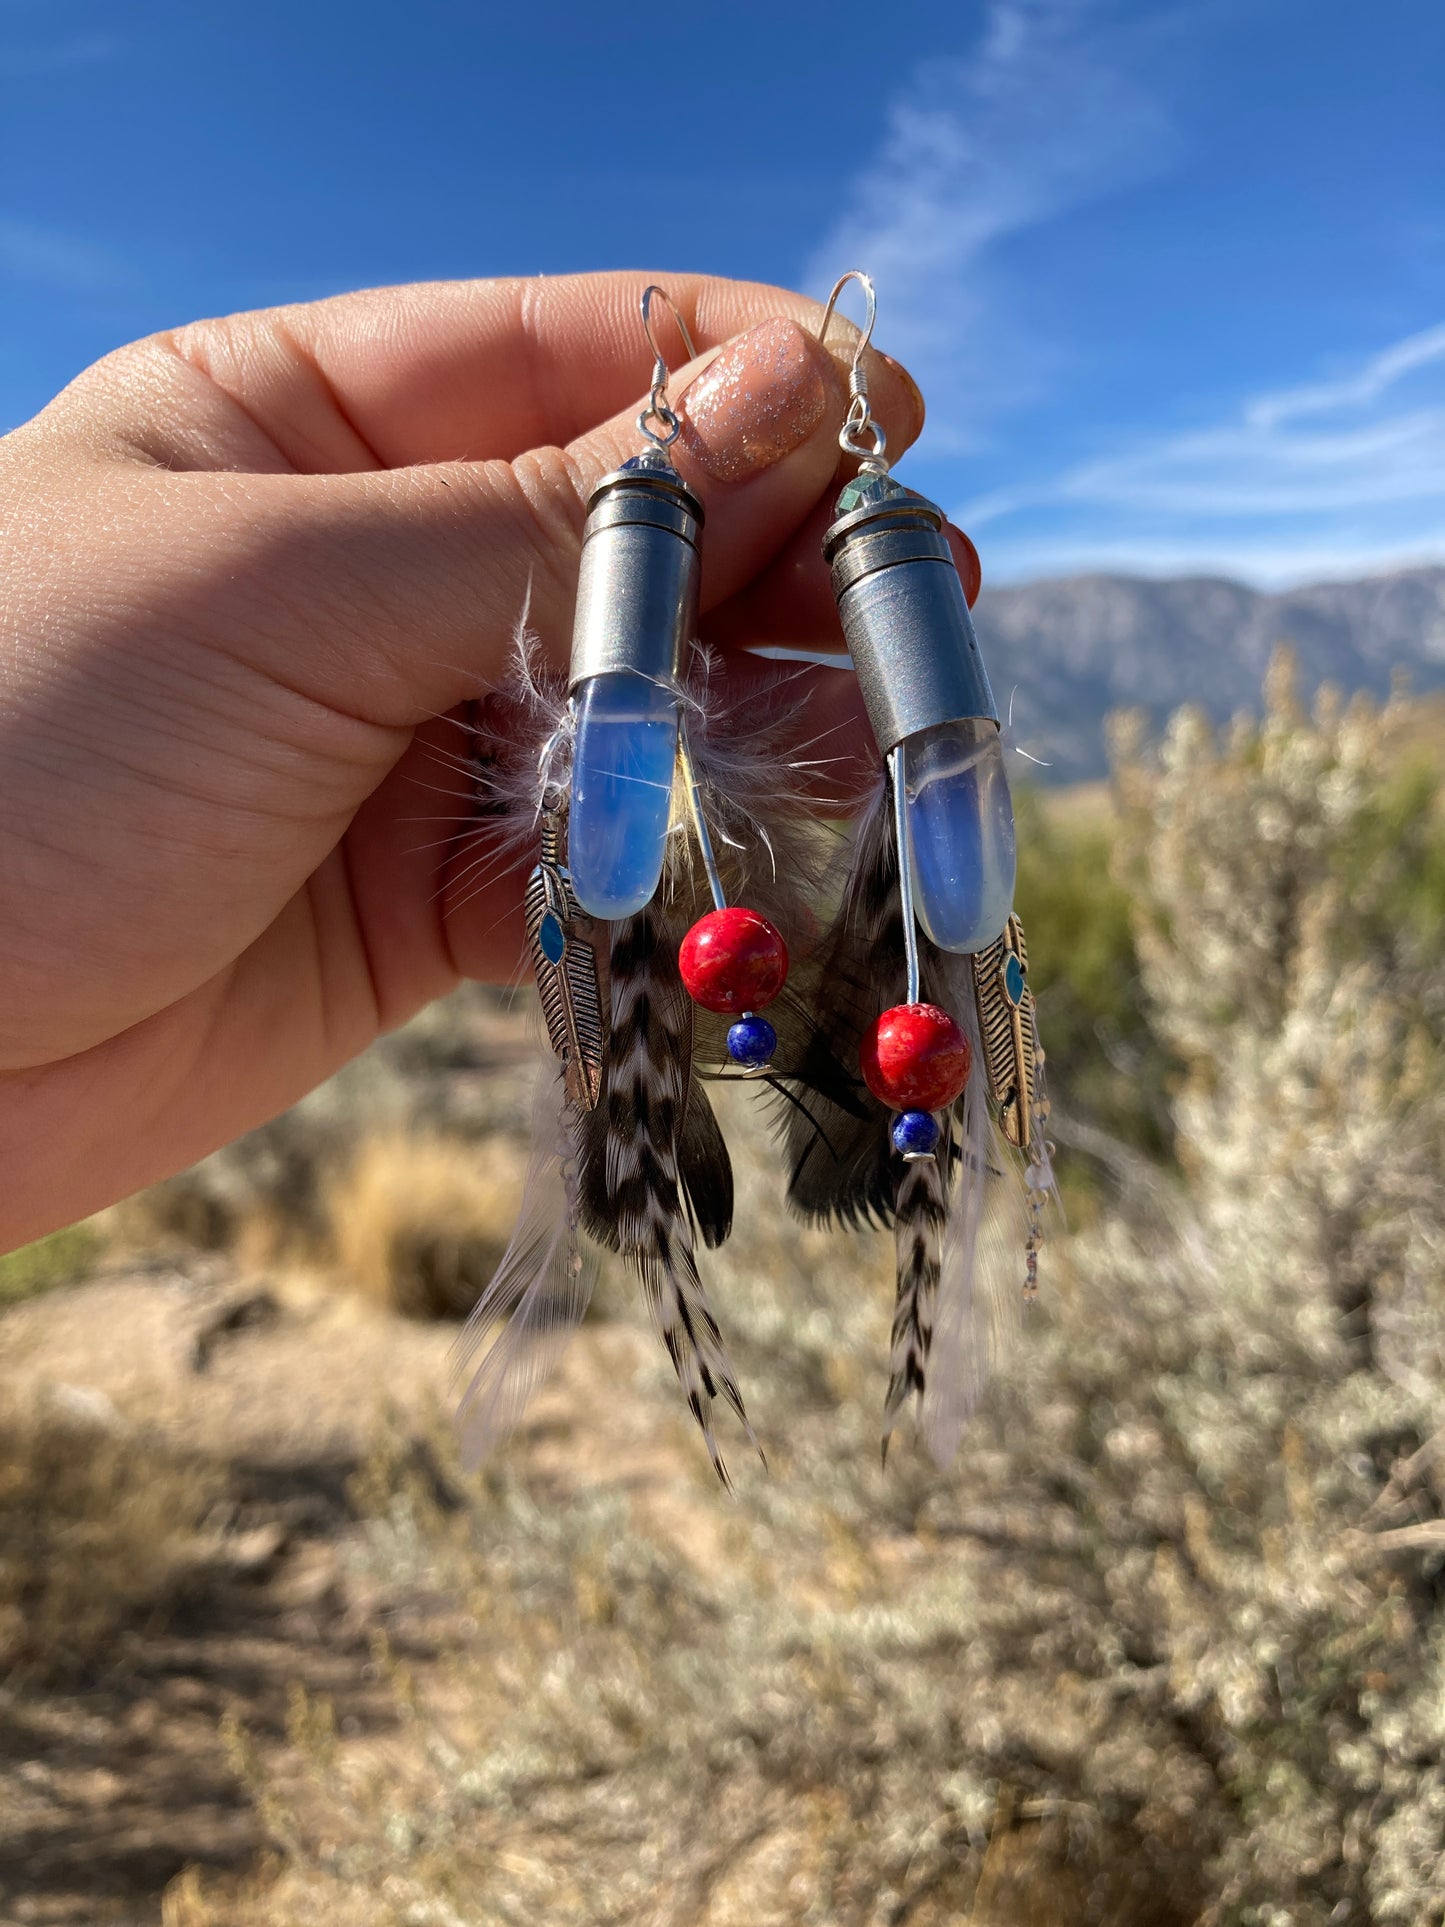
(249, 567)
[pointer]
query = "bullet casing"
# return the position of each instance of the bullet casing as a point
(638, 584)
(905, 618)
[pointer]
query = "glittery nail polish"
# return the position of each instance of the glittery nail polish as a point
(759, 399)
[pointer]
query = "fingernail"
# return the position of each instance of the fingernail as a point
(970, 569)
(762, 397)
(914, 392)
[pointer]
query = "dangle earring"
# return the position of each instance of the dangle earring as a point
(626, 1147)
(637, 594)
(925, 908)
(636, 613)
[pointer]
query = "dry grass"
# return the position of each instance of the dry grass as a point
(102, 1530)
(456, 1079)
(1417, 731)
(60, 1259)
(418, 1224)
(646, 1705)
(1164, 1649)
(1140, 1659)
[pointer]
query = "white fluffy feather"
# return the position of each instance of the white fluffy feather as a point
(541, 1288)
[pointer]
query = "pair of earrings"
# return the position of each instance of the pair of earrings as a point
(914, 1007)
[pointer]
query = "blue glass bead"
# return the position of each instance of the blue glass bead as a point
(915, 1133)
(622, 764)
(1013, 980)
(961, 827)
(751, 1042)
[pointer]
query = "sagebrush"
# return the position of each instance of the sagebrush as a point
(1165, 1646)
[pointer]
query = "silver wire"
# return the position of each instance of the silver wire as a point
(859, 420)
(905, 870)
(699, 821)
(657, 408)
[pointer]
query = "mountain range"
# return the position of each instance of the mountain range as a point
(1068, 651)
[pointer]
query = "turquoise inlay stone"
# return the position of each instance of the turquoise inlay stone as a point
(622, 763)
(961, 827)
(869, 488)
(1013, 980)
(552, 938)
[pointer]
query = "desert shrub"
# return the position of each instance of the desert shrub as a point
(450, 1077)
(1242, 1421)
(1287, 884)
(418, 1223)
(101, 1532)
(61, 1259)
(1164, 1647)
(1107, 1065)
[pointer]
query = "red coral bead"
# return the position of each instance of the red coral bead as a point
(915, 1058)
(733, 960)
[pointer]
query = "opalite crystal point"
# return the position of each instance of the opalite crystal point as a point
(961, 827)
(622, 764)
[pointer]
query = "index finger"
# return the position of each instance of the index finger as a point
(462, 370)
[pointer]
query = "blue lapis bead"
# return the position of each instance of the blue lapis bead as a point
(915, 1133)
(751, 1042)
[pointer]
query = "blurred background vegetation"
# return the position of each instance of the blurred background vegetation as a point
(1166, 1645)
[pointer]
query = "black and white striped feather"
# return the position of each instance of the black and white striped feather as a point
(919, 1222)
(655, 1169)
(641, 1168)
(841, 1165)
(949, 1321)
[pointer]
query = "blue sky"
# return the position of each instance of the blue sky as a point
(1172, 276)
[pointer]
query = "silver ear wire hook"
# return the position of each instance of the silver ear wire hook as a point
(865, 282)
(657, 408)
(859, 420)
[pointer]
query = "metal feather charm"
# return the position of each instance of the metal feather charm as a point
(1007, 1026)
(565, 963)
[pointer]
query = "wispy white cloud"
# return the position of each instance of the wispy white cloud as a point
(1043, 116)
(1347, 472)
(1366, 384)
(30, 253)
(1058, 106)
